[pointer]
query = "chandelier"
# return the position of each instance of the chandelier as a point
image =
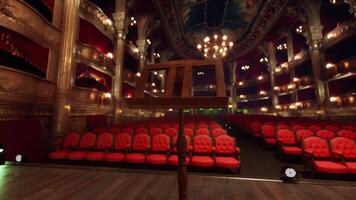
(215, 47)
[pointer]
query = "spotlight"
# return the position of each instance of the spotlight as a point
(19, 158)
(2, 154)
(289, 175)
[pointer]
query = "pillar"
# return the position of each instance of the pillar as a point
(314, 39)
(65, 81)
(121, 27)
(233, 86)
(142, 26)
(272, 67)
(290, 52)
(141, 45)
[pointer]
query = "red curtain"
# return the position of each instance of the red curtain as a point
(24, 48)
(49, 4)
(90, 35)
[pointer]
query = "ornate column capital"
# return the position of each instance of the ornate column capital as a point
(120, 23)
(352, 6)
(314, 36)
(142, 46)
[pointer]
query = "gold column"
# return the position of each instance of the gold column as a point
(233, 87)
(272, 67)
(121, 26)
(61, 112)
(290, 58)
(142, 26)
(141, 45)
(314, 39)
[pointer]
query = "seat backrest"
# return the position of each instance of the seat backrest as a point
(191, 126)
(171, 132)
(122, 141)
(141, 142)
(349, 127)
(160, 143)
(304, 133)
(114, 130)
(202, 131)
(347, 134)
(87, 140)
(155, 131)
(104, 141)
(152, 125)
(282, 126)
(164, 126)
(214, 126)
(71, 140)
(188, 132)
(202, 144)
(286, 137)
(256, 127)
(127, 130)
(175, 125)
(141, 130)
(345, 146)
(140, 125)
(332, 128)
(224, 144)
(99, 130)
(314, 128)
(218, 131)
(297, 127)
(325, 134)
(268, 130)
(174, 143)
(317, 146)
(202, 126)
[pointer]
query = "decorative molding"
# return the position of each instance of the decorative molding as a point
(22, 18)
(93, 14)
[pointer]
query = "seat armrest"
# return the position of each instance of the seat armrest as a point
(237, 149)
(308, 152)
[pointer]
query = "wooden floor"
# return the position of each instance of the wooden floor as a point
(93, 183)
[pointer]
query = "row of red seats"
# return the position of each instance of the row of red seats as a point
(337, 156)
(169, 131)
(160, 149)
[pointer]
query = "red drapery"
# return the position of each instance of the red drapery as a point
(25, 48)
(90, 35)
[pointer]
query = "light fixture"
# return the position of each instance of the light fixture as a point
(230, 106)
(148, 41)
(110, 55)
(299, 29)
(132, 21)
(138, 74)
(242, 96)
(330, 35)
(276, 88)
(107, 95)
(278, 69)
(162, 90)
(170, 110)
(108, 21)
(2, 154)
(214, 47)
(281, 47)
(18, 158)
(154, 90)
(264, 60)
(289, 175)
(153, 84)
(241, 83)
(200, 73)
(264, 109)
(330, 65)
(260, 77)
(245, 67)
(262, 92)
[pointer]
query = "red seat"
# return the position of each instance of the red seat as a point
(152, 125)
(202, 126)
(191, 126)
(155, 131)
(188, 132)
(141, 130)
(114, 130)
(141, 143)
(256, 129)
(171, 132)
(173, 159)
(70, 140)
(349, 127)
(288, 142)
(268, 133)
(282, 126)
(303, 133)
(318, 155)
(297, 127)
(164, 126)
(331, 128)
(218, 131)
(202, 131)
(121, 145)
(325, 134)
(87, 141)
(314, 128)
(127, 130)
(201, 155)
(104, 142)
(347, 133)
(346, 148)
(227, 154)
(99, 130)
(214, 126)
(159, 150)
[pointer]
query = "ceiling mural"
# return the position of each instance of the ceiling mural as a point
(200, 18)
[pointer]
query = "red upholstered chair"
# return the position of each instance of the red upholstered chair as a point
(332, 128)
(127, 130)
(87, 142)
(155, 131)
(318, 157)
(202, 153)
(282, 126)
(99, 130)
(269, 135)
(214, 126)
(349, 127)
(70, 141)
(347, 134)
(152, 125)
(188, 132)
(346, 149)
(164, 126)
(303, 133)
(122, 144)
(202, 131)
(159, 150)
(191, 126)
(325, 134)
(218, 131)
(139, 148)
(175, 125)
(288, 142)
(227, 154)
(314, 128)
(140, 125)
(171, 132)
(202, 126)
(114, 130)
(297, 127)
(103, 144)
(256, 129)
(141, 130)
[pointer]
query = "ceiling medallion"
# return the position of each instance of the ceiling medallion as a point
(215, 47)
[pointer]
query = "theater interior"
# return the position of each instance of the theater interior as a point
(177, 99)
